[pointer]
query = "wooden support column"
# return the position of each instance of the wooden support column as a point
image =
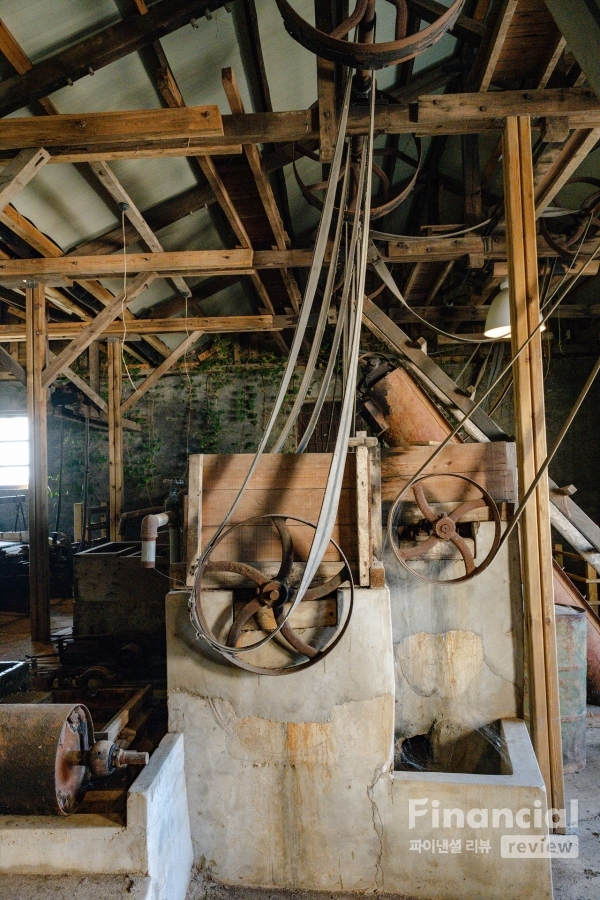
(536, 547)
(37, 345)
(115, 436)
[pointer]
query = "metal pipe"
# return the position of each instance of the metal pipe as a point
(150, 526)
(136, 514)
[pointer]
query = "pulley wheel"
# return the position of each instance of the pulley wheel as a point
(271, 597)
(443, 528)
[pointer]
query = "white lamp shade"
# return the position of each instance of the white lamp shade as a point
(497, 321)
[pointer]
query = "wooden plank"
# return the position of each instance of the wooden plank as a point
(571, 155)
(427, 372)
(363, 523)
(304, 502)
(325, 87)
(254, 160)
(200, 261)
(194, 516)
(151, 380)
(536, 364)
(303, 470)
(530, 422)
(435, 114)
(191, 122)
(60, 331)
(38, 465)
(437, 108)
(91, 330)
(98, 50)
(19, 172)
(12, 365)
(115, 437)
(255, 543)
(465, 28)
(484, 67)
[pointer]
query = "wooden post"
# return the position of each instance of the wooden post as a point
(37, 346)
(194, 517)
(536, 546)
(115, 436)
(363, 482)
(592, 586)
(77, 522)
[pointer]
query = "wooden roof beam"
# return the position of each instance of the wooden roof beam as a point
(98, 50)
(79, 331)
(459, 113)
(109, 180)
(89, 331)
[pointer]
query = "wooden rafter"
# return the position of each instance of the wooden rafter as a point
(107, 177)
(169, 89)
(81, 334)
(100, 49)
(186, 344)
(89, 331)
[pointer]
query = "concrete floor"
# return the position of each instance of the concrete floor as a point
(579, 879)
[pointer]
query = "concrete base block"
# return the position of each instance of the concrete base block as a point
(291, 785)
(155, 842)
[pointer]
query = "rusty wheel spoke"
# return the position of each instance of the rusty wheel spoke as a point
(236, 568)
(465, 552)
(291, 636)
(420, 549)
(244, 615)
(287, 548)
(322, 590)
(465, 508)
(423, 504)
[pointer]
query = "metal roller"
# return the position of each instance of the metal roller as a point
(48, 755)
(37, 769)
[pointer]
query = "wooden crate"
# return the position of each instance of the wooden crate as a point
(492, 465)
(285, 484)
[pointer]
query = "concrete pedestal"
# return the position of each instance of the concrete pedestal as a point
(290, 779)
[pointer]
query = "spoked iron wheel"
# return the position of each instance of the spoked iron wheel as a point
(276, 595)
(444, 528)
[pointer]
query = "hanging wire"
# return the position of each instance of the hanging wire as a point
(123, 303)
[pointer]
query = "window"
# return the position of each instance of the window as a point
(14, 452)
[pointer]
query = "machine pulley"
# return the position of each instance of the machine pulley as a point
(442, 528)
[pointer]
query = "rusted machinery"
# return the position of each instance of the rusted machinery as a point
(365, 53)
(48, 757)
